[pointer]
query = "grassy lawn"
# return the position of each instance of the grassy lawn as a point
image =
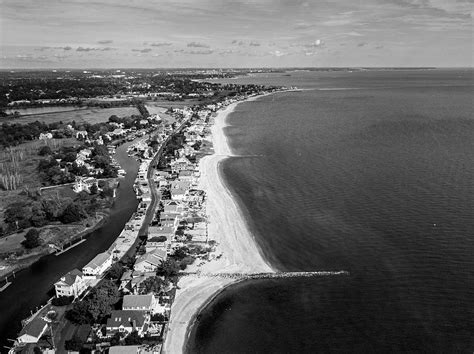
(89, 115)
(27, 159)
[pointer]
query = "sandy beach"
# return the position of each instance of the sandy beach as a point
(227, 227)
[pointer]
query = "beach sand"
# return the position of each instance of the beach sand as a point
(234, 240)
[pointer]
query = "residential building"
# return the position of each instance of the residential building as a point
(149, 262)
(126, 321)
(145, 303)
(96, 267)
(33, 331)
(71, 284)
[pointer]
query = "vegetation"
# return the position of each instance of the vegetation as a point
(32, 239)
(74, 344)
(96, 306)
(62, 300)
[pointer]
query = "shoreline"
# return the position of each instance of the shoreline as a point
(238, 248)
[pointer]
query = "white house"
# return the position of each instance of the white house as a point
(84, 184)
(71, 284)
(98, 265)
(81, 134)
(45, 136)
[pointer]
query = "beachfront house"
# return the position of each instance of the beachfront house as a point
(145, 303)
(97, 266)
(126, 321)
(156, 242)
(33, 331)
(149, 262)
(181, 164)
(71, 284)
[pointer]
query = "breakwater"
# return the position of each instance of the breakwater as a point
(275, 275)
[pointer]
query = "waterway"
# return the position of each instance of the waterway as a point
(33, 286)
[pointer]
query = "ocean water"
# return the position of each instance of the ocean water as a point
(369, 172)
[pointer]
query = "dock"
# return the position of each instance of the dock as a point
(6, 285)
(68, 248)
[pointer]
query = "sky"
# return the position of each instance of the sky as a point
(239, 33)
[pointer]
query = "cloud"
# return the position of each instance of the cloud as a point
(41, 49)
(105, 41)
(144, 50)
(197, 45)
(158, 44)
(29, 58)
(92, 49)
(200, 52)
(354, 34)
(86, 49)
(315, 44)
(276, 53)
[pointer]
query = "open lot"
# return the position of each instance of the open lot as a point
(88, 115)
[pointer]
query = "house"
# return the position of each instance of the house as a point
(81, 134)
(84, 184)
(71, 284)
(149, 262)
(98, 265)
(137, 280)
(125, 349)
(126, 321)
(155, 231)
(45, 136)
(186, 175)
(180, 164)
(33, 331)
(178, 194)
(156, 242)
(145, 303)
(172, 206)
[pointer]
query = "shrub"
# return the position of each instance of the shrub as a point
(32, 239)
(62, 300)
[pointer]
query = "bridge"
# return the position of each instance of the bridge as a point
(274, 275)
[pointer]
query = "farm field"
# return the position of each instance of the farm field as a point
(88, 115)
(42, 110)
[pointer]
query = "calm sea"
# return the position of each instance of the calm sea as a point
(369, 172)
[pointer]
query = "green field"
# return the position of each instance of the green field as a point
(88, 115)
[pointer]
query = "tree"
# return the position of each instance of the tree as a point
(94, 189)
(79, 314)
(38, 218)
(62, 300)
(152, 285)
(70, 157)
(169, 268)
(74, 344)
(32, 239)
(115, 271)
(74, 212)
(45, 150)
(18, 214)
(133, 339)
(53, 208)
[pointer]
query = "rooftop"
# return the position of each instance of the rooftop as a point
(137, 301)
